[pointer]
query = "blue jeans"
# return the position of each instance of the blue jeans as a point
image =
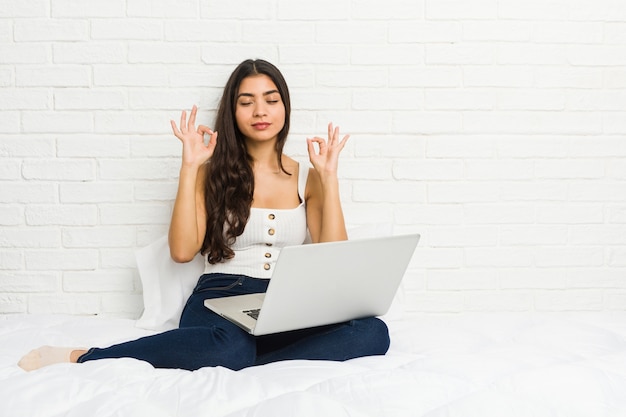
(206, 339)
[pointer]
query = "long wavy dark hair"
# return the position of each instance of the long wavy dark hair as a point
(229, 182)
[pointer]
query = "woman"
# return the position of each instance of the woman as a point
(239, 201)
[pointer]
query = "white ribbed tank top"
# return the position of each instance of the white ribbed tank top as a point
(267, 231)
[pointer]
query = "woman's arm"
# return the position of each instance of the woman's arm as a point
(188, 225)
(324, 213)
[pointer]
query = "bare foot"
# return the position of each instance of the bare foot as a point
(49, 355)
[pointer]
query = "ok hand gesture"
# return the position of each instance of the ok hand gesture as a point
(195, 151)
(326, 160)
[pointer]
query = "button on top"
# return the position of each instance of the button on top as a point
(271, 216)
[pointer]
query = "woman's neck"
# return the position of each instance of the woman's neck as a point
(264, 156)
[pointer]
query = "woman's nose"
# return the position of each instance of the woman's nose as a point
(259, 110)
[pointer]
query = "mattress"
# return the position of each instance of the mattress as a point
(566, 365)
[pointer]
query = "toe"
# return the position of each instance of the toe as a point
(30, 361)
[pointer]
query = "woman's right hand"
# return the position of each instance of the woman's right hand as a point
(195, 151)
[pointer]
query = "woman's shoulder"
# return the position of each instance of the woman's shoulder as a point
(293, 166)
(289, 163)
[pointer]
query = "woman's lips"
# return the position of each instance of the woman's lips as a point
(261, 125)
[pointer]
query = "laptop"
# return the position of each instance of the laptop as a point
(323, 283)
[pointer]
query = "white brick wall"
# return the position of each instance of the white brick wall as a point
(493, 127)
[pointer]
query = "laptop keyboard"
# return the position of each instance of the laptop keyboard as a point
(253, 313)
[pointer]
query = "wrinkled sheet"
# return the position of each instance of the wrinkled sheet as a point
(482, 365)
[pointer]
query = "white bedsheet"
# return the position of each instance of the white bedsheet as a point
(483, 365)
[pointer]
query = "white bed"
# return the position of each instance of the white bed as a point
(467, 365)
(483, 365)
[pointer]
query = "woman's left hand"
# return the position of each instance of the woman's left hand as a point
(326, 160)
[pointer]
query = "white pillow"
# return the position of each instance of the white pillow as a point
(167, 284)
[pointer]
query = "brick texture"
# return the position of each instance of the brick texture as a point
(492, 127)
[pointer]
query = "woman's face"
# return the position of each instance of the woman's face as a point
(260, 111)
